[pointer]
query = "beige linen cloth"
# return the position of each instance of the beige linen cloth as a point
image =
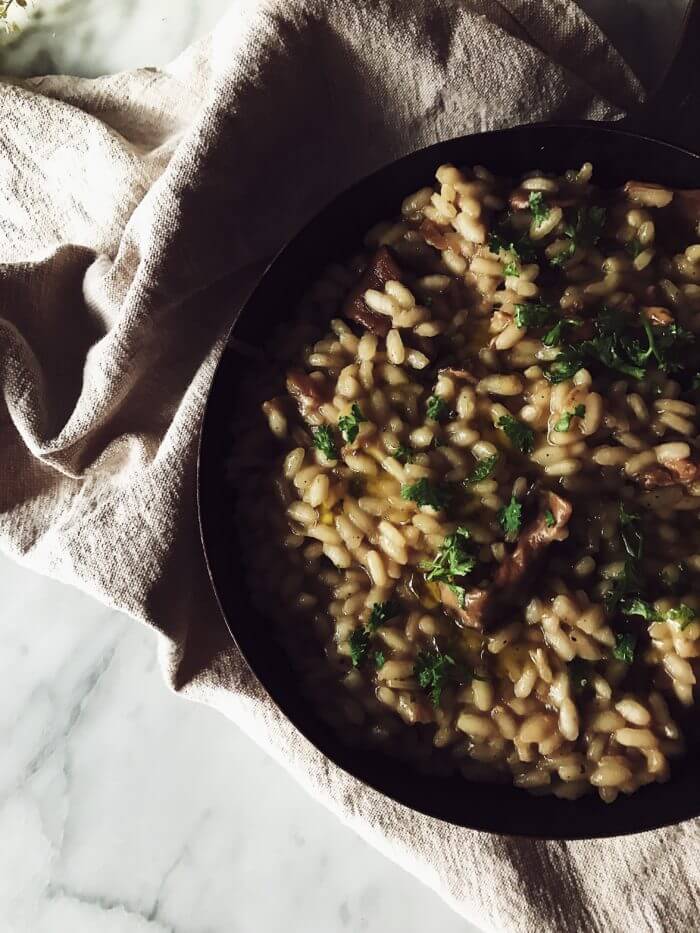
(135, 211)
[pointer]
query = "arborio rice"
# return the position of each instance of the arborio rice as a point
(477, 526)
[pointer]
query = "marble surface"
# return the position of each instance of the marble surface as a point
(124, 809)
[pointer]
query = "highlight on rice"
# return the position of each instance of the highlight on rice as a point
(472, 517)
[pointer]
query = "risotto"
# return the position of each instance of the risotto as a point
(475, 519)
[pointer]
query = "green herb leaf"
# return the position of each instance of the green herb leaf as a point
(549, 519)
(683, 615)
(564, 423)
(403, 454)
(554, 336)
(483, 470)
(324, 441)
(349, 425)
(534, 314)
(631, 533)
(540, 211)
(519, 434)
(433, 671)
(625, 643)
(512, 253)
(436, 408)
(511, 518)
(359, 645)
(452, 560)
(634, 606)
(423, 492)
(379, 659)
(381, 613)
(586, 231)
(634, 248)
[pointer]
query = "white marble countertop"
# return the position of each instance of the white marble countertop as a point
(124, 809)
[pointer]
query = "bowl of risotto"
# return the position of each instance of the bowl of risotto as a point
(456, 436)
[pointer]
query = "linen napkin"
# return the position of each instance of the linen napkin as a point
(136, 211)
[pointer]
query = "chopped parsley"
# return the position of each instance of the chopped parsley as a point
(540, 210)
(403, 454)
(554, 336)
(359, 645)
(381, 613)
(483, 470)
(518, 433)
(349, 425)
(511, 518)
(634, 606)
(534, 314)
(628, 582)
(620, 344)
(433, 671)
(436, 408)
(511, 252)
(634, 248)
(423, 492)
(683, 615)
(625, 643)
(564, 423)
(379, 659)
(325, 442)
(452, 560)
(586, 231)
(549, 519)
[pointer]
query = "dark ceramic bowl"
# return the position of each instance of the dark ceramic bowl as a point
(334, 233)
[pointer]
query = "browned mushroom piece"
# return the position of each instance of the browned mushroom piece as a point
(481, 605)
(308, 393)
(381, 268)
(671, 473)
(657, 315)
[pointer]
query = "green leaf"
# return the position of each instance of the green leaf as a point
(631, 532)
(403, 454)
(564, 423)
(634, 606)
(452, 560)
(534, 314)
(554, 336)
(381, 613)
(510, 518)
(433, 671)
(379, 659)
(540, 211)
(349, 425)
(549, 519)
(359, 645)
(436, 408)
(324, 441)
(625, 643)
(683, 615)
(586, 231)
(519, 434)
(634, 248)
(423, 492)
(483, 470)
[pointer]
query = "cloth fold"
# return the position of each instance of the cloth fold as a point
(137, 211)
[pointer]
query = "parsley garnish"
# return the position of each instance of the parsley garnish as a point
(379, 659)
(534, 314)
(522, 250)
(349, 425)
(634, 248)
(423, 492)
(433, 670)
(518, 433)
(625, 643)
(511, 517)
(540, 211)
(564, 423)
(324, 441)
(628, 582)
(403, 454)
(381, 612)
(359, 645)
(683, 615)
(634, 606)
(554, 336)
(585, 232)
(549, 519)
(483, 470)
(436, 408)
(451, 561)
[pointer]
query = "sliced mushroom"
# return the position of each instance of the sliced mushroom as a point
(308, 393)
(381, 269)
(672, 473)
